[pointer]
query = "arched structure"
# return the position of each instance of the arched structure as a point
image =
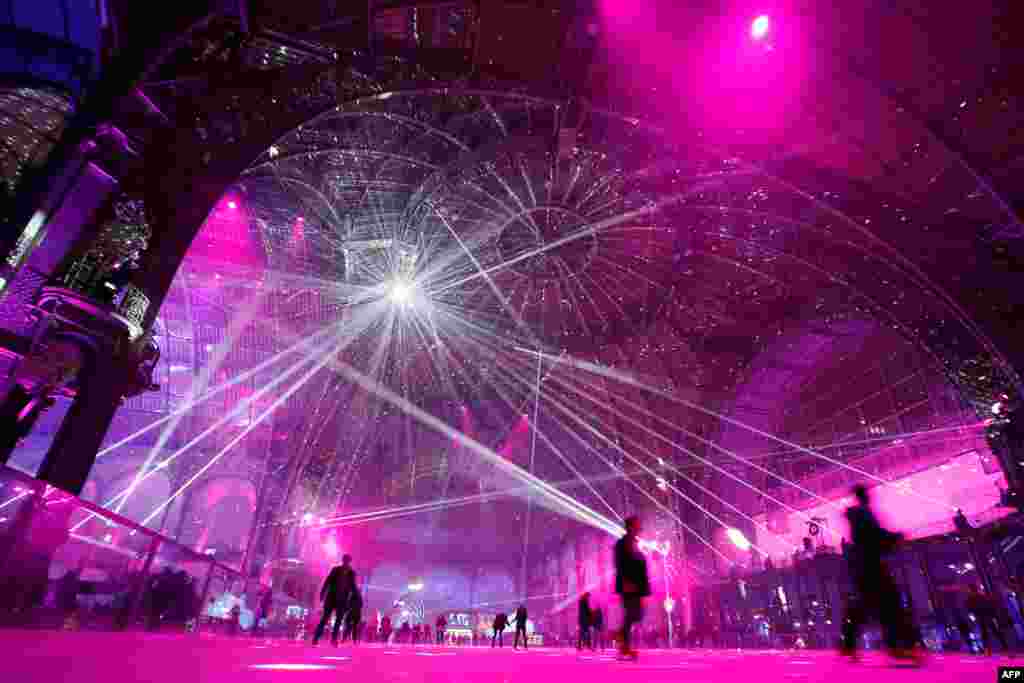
(622, 298)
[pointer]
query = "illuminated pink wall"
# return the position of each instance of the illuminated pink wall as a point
(961, 482)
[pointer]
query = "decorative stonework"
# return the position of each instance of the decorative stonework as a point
(116, 250)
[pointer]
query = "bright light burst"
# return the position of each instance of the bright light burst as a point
(760, 26)
(401, 292)
(530, 257)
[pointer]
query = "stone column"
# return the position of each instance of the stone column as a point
(19, 411)
(73, 452)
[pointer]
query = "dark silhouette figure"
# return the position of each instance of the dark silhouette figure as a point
(585, 618)
(417, 630)
(68, 589)
(500, 624)
(335, 595)
(520, 619)
(161, 597)
(597, 629)
(631, 582)
(385, 630)
(405, 633)
(441, 625)
(263, 613)
(877, 596)
(353, 618)
(986, 613)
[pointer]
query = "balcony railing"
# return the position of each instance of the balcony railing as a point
(69, 564)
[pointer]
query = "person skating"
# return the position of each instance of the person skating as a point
(585, 617)
(631, 583)
(440, 626)
(520, 619)
(986, 614)
(353, 618)
(335, 595)
(597, 629)
(876, 594)
(500, 624)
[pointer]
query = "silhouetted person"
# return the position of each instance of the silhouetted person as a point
(68, 588)
(877, 596)
(440, 626)
(161, 595)
(417, 631)
(335, 595)
(631, 582)
(405, 633)
(263, 613)
(234, 620)
(962, 524)
(353, 617)
(385, 630)
(500, 624)
(986, 614)
(585, 618)
(520, 619)
(597, 629)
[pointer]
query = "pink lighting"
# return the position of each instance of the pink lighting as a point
(738, 539)
(760, 26)
(331, 546)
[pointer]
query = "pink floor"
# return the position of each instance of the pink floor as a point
(118, 658)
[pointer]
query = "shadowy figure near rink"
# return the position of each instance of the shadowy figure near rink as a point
(876, 595)
(336, 594)
(631, 583)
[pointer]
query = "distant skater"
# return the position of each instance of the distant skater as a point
(335, 595)
(597, 629)
(631, 583)
(353, 617)
(876, 594)
(520, 618)
(585, 617)
(500, 624)
(440, 626)
(986, 614)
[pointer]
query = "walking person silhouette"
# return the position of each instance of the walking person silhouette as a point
(336, 594)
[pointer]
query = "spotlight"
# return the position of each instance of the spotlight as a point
(760, 27)
(232, 205)
(401, 292)
(416, 587)
(738, 539)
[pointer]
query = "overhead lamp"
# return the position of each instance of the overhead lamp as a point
(401, 292)
(738, 539)
(760, 26)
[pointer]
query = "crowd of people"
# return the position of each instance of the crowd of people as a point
(875, 597)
